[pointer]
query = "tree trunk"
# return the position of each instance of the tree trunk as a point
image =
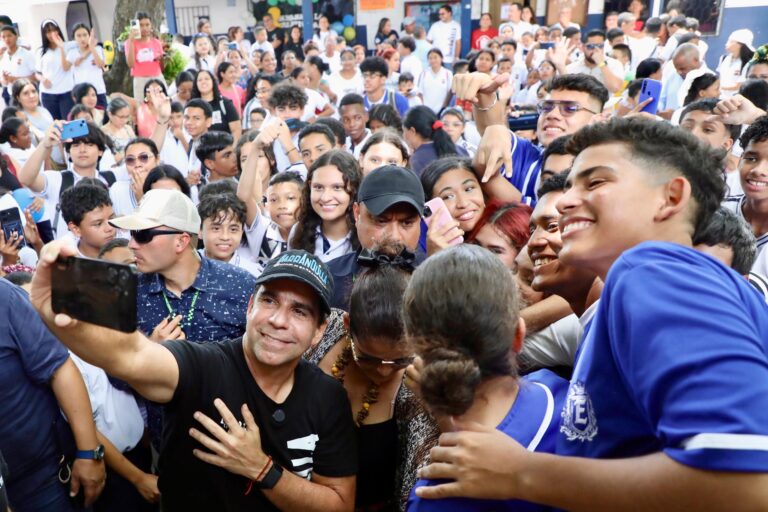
(118, 79)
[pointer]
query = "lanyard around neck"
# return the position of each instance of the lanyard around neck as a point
(190, 313)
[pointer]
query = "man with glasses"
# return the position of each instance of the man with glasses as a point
(180, 295)
(594, 62)
(573, 102)
(287, 426)
(84, 154)
(375, 72)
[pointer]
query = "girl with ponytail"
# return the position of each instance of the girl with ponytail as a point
(468, 343)
(366, 350)
(425, 135)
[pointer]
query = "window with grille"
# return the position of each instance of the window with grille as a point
(708, 12)
(187, 18)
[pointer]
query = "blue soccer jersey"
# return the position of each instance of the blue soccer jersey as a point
(526, 167)
(674, 361)
(532, 421)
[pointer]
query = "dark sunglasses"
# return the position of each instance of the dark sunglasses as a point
(145, 236)
(567, 108)
(366, 361)
(131, 160)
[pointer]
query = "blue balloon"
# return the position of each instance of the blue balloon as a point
(24, 197)
(348, 20)
(337, 27)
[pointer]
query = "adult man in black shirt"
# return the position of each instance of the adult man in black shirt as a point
(298, 418)
(276, 36)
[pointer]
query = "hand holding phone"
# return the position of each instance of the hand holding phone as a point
(441, 224)
(650, 89)
(136, 28)
(13, 229)
(74, 129)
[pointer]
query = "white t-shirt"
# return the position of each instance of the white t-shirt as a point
(411, 64)
(519, 28)
(730, 73)
(434, 87)
(264, 46)
(316, 103)
(341, 86)
(319, 39)
(207, 63)
(50, 194)
(49, 65)
(613, 65)
(123, 199)
(21, 63)
(334, 61)
(88, 71)
(173, 153)
(444, 36)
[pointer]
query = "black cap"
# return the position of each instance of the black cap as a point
(389, 185)
(304, 267)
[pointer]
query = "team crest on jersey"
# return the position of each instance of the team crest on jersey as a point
(579, 421)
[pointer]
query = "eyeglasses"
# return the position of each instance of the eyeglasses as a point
(131, 160)
(370, 362)
(593, 46)
(145, 236)
(567, 108)
(368, 76)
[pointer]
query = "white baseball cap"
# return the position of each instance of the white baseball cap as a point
(162, 207)
(743, 36)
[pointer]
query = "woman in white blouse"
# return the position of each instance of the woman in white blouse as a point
(54, 71)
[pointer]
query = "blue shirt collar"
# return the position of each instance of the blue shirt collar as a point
(157, 283)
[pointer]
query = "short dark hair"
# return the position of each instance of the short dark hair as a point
(623, 48)
(555, 183)
(571, 31)
(112, 245)
(374, 65)
(677, 21)
(613, 33)
(509, 42)
(143, 15)
(582, 83)
(166, 172)
(78, 200)
(596, 32)
(9, 28)
(634, 88)
(287, 95)
(708, 105)
(663, 148)
(756, 91)
(387, 115)
(756, 132)
(653, 25)
(351, 99)
(559, 146)
(210, 142)
(9, 112)
(218, 207)
(177, 107)
(432, 173)
(726, 228)
(287, 177)
(202, 105)
(408, 42)
(336, 127)
(647, 67)
(318, 128)
(405, 77)
(146, 142)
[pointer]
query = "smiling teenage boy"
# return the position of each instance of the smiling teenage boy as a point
(667, 404)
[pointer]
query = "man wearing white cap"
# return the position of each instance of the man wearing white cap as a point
(733, 65)
(180, 294)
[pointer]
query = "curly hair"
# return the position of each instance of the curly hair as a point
(308, 219)
(756, 132)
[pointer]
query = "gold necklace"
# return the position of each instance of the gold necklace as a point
(370, 397)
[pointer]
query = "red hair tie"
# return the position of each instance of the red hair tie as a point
(437, 125)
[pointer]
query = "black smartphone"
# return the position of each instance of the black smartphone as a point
(546, 46)
(11, 222)
(523, 122)
(95, 291)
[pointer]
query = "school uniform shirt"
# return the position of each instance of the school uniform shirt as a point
(326, 249)
(237, 260)
(532, 421)
(730, 72)
(736, 205)
(115, 412)
(389, 97)
(673, 361)
(426, 154)
(264, 46)
(224, 112)
(49, 65)
(123, 199)
(88, 71)
(434, 87)
(334, 61)
(526, 167)
(173, 153)
(341, 86)
(759, 281)
(21, 63)
(50, 194)
(316, 103)
(311, 431)
(213, 309)
(411, 64)
(444, 36)
(207, 63)
(355, 148)
(264, 240)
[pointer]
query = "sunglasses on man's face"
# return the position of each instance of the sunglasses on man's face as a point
(145, 236)
(131, 160)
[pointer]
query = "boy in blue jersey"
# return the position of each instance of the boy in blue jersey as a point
(573, 101)
(671, 379)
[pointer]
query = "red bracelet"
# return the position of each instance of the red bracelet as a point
(258, 477)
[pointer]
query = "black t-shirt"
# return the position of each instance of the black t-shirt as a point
(317, 433)
(277, 34)
(224, 112)
(3, 475)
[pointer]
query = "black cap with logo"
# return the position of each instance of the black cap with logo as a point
(389, 185)
(304, 267)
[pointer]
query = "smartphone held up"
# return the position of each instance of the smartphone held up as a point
(96, 292)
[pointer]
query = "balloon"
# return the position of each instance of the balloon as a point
(291, 2)
(348, 20)
(337, 27)
(349, 33)
(275, 12)
(24, 197)
(272, 2)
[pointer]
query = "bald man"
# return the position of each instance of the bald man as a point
(685, 59)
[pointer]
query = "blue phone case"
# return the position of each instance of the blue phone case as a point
(74, 129)
(650, 89)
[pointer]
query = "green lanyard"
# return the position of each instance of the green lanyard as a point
(190, 313)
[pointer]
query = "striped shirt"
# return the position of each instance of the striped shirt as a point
(736, 205)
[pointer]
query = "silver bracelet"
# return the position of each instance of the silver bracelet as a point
(495, 101)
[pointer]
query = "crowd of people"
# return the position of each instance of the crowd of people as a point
(397, 277)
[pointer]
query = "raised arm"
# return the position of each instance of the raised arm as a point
(148, 367)
(249, 188)
(162, 105)
(30, 175)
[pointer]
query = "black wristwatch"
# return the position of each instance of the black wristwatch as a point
(97, 454)
(272, 477)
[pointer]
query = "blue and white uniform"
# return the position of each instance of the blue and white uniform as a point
(674, 361)
(526, 167)
(531, 421)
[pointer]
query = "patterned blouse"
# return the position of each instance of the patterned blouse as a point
(417, 430)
